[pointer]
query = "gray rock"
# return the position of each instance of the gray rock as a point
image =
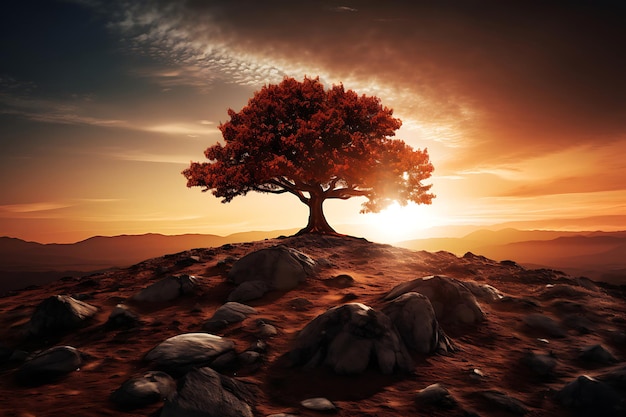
(435, 394)
(167, 289)
(347, 337)
(504, 401)
(282, 268)
(592, 397)
(205, 393)
(544, 324)
(266, 330)
(597, 354)
(122, 316)
(49, 364)
(249, 290)
(340, 281)
(189, 350)
(415, 320)
(59, 313)
(139, 391)
(227, 314)
(318, 404)
(452, 301)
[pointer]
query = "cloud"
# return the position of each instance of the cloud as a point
(52, 111)
(33, 207)
(202, 128)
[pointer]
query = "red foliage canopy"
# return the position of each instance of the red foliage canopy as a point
(299, 138)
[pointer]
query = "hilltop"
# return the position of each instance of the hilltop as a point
(490, 356)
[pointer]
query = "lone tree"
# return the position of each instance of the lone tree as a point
(296, 137)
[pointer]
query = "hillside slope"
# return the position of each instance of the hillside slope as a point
(490, 356)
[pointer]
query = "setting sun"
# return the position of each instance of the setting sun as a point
(397, 223)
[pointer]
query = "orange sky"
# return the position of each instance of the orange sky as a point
(103, 104)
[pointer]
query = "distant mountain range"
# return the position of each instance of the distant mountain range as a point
(29, 263)
(597, 255)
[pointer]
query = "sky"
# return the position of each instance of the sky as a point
(521, 105)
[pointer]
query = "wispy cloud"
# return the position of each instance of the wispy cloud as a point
(33, 207)
(51, 111)
(201, 128)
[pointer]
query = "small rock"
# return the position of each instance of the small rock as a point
(50, 364)
(189, 350)
(122, 316)
(597, 354)
(266, 330)
(318, 404)
(149, 388)
(340, 281)
(282, 268)
(231, 312)
(477, 374)
(59, 313)
(167, 289)
(435, 394)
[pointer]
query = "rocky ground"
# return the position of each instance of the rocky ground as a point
(500, 340)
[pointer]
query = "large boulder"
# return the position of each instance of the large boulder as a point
(139, 391)
(167, 289)
(206, 393)
(182, 352)
(349, 338)
(59, 313)
(49, 364)
(282, 268)
(415, 320)
(591, 397)
(452, 301)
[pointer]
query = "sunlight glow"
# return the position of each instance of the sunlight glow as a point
(397, 223)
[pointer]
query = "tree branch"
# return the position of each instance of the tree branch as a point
(346, 193)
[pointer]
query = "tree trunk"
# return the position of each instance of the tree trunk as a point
(317, 220)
